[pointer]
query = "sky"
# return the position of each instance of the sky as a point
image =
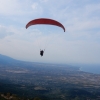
(79, 44)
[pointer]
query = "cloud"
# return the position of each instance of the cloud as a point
(17, 7)
(4, 32)
(80, 42)
(37, 8)
(9, 7)
(75, 14)
(44, 1)
(86, 52)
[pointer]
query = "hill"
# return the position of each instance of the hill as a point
(6, 60)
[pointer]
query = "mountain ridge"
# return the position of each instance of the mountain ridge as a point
(7, 60)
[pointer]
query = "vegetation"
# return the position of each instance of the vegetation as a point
(38, 81)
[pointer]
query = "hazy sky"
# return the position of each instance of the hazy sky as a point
(79, 44)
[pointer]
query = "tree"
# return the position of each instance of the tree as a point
(36, 98)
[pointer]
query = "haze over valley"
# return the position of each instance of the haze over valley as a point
(47, 81)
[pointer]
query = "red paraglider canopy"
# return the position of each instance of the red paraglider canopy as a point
(45, 21)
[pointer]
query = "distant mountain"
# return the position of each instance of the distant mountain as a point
(6, 60)
(11, 62)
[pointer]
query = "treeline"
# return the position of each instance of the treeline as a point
(73, 94)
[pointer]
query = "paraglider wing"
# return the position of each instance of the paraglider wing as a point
(45, 21)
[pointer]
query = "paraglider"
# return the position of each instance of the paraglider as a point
(46, 21)
(41, 52)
